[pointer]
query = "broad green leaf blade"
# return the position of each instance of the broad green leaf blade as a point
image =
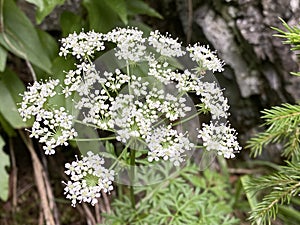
(10, 88)
(3, 56)
(289, 214)
(21, 38)
(44, 7)
(250, 195)
(7, 127)
(140, 7)
(49, 44)
(4, 162)
(119, 7)
(70, 23)
(102, 17)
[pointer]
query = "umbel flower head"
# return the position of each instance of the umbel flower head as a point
(141, 99)
(221, 138)
(88, 178)
(52, 126)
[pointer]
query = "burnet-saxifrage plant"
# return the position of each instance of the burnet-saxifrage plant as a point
(130, 106)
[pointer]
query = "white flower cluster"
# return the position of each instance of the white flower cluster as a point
(206, 59)
(88, 178)
(143, 101)
(35, 98)
(168, 144)
(165, 45)
(82, 45)
(82, 79)
(213, 99)
(53, 127)
(220, 138)
(133, 114)
(162, 71)
(130, 43)
(211, 94)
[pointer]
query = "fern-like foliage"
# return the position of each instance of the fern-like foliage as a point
(184, 197)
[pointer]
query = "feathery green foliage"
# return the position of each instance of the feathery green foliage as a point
(183, 197)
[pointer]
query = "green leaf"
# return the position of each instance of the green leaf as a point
(21, 38)
(250, 195)
(70, 22)
(44, 7)
(140, 7)
(10, 87)
(4, 162)
(7, 127)
(3, 56)
(295, 73)
(102, 17)
(289, 214)
(119, 7)
(49, 44)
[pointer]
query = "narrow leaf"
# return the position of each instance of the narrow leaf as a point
(10, 87)
(250, 195)
(4, 162)
(21, 38)
(70, 22)
(3, 56)
(44, 7)
(140, 7)
(102, 17)
(119, 7)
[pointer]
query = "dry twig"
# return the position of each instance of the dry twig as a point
(40, 182)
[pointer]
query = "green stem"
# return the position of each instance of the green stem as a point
(128, 73)
(106, 91)
(132, 177)
(159, 122)
(91, 125)
(198, 146)
(120, 156)
(94, 139)
(186, 119)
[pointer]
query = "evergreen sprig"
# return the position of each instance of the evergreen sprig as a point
(283, 126)
(291, 34)
(281, 187)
